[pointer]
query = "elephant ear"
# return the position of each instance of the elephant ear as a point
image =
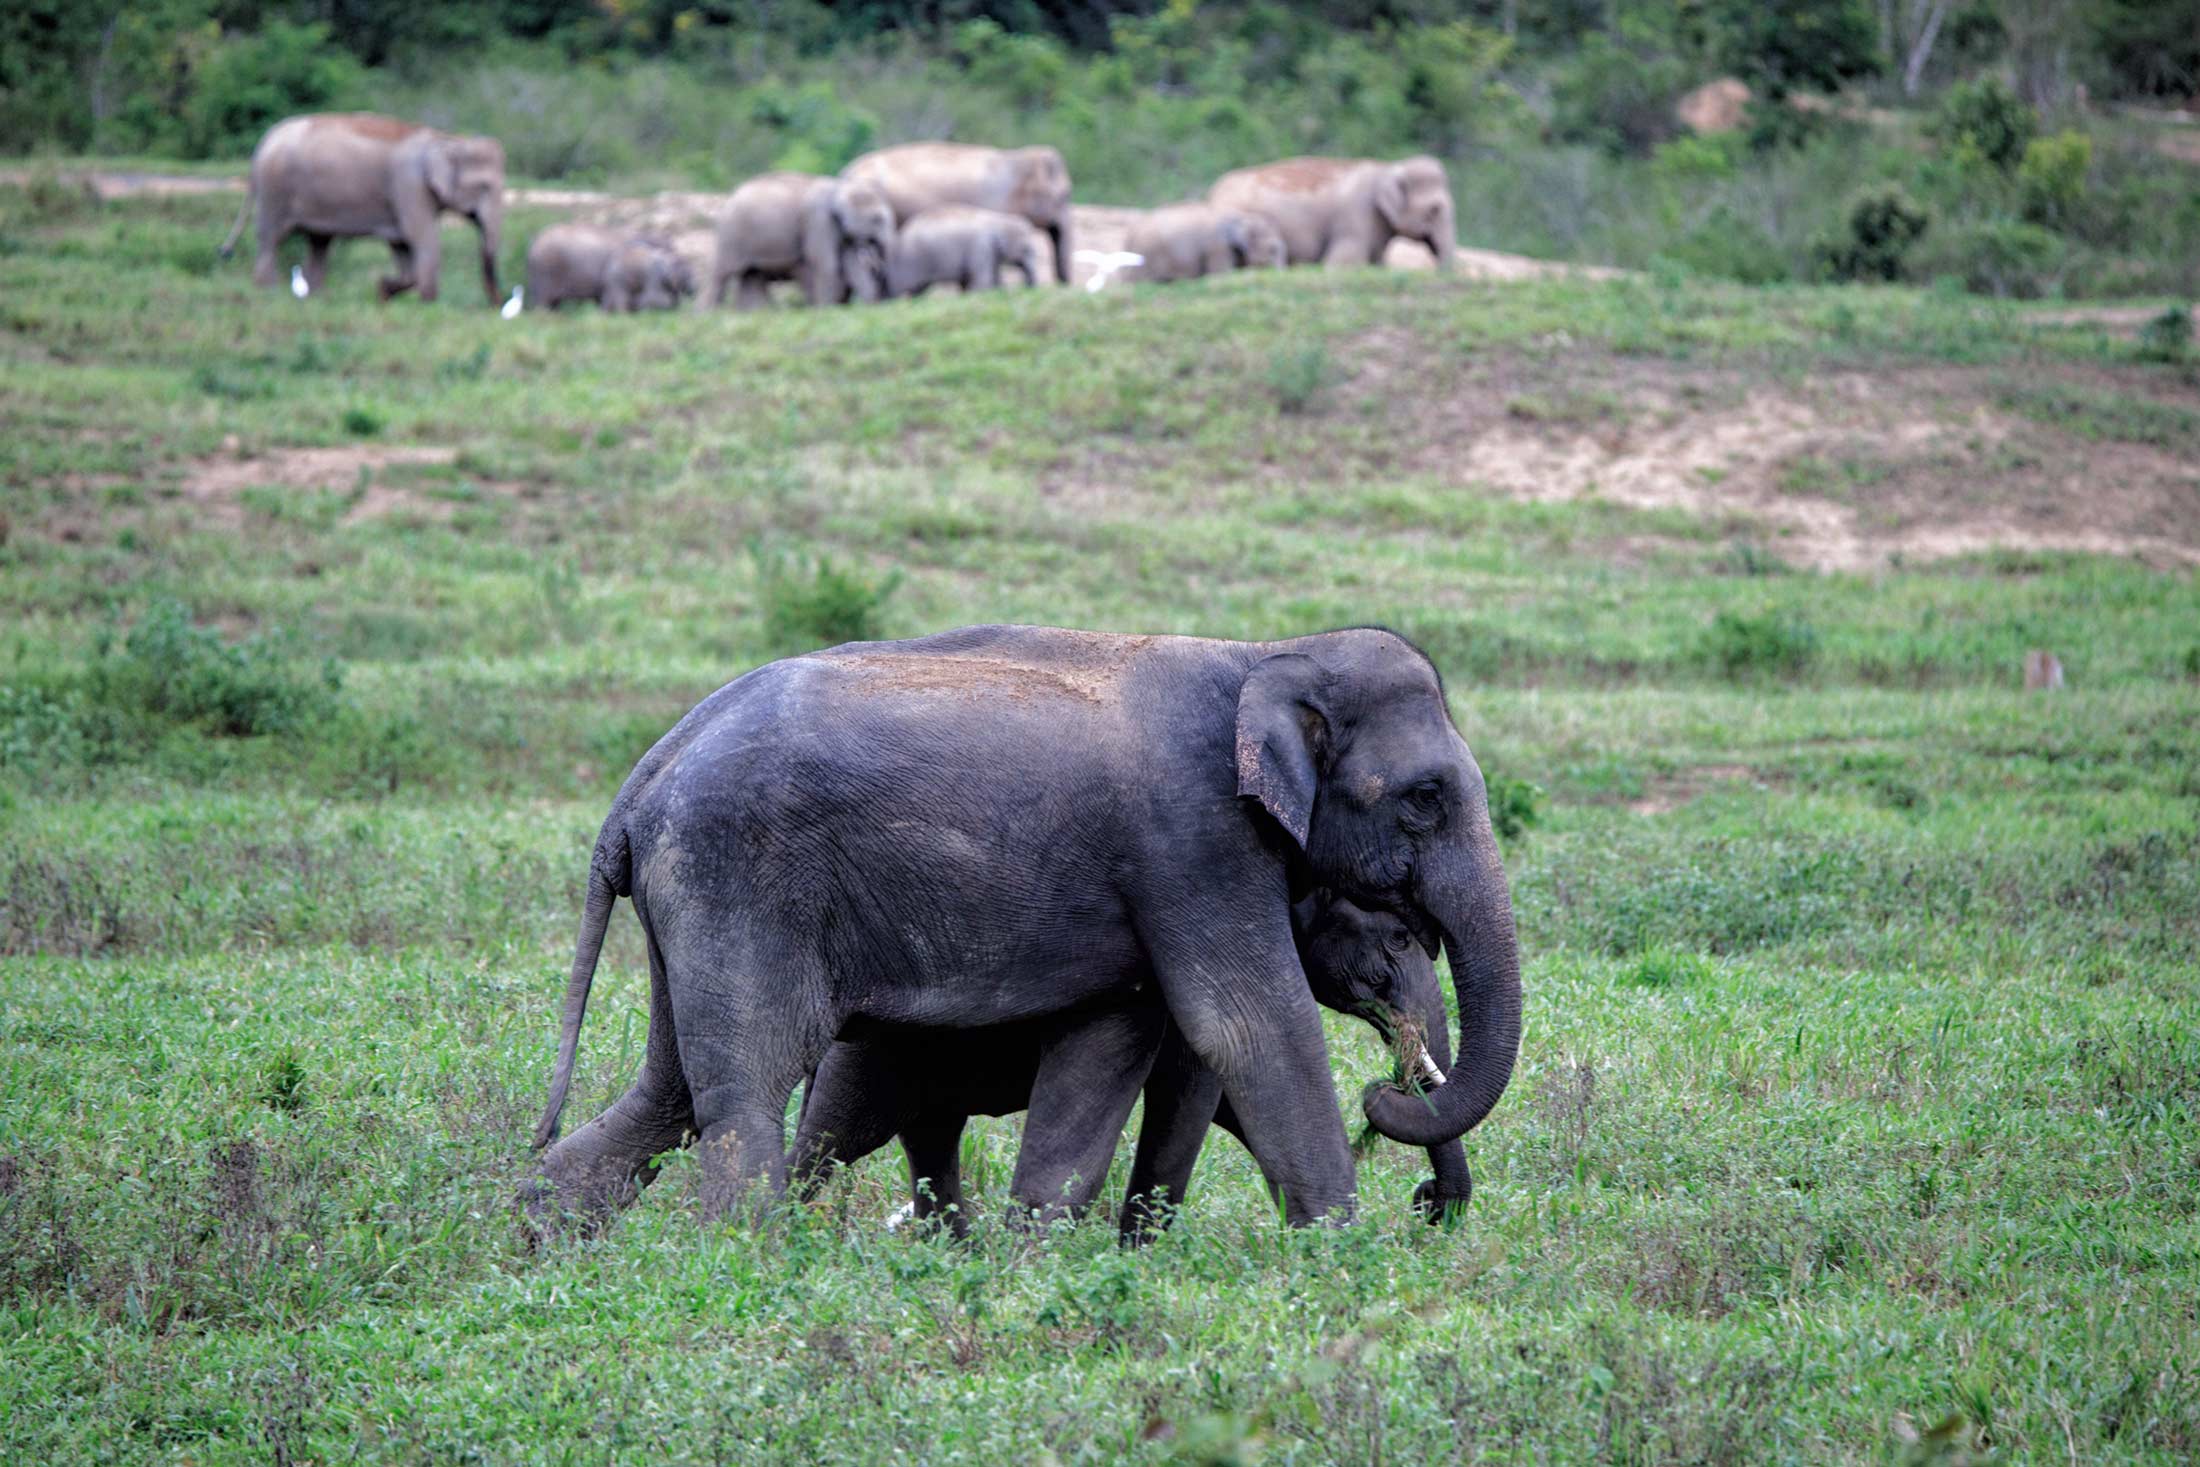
(1235, 235)
(1283, 739)
(1390, 194)
(439, 170)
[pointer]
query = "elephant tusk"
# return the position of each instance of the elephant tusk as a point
(1427, 1068)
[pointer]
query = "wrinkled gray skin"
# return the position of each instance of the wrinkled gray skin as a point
(1032, 183)
(1186, 241)
(924, 1085)
(829, 235)
(619, 270)
(1000, 824)
(958, 245)
(1346, 211)
(353, 175)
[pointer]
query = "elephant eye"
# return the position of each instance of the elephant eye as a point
(1398, 941)
(1423, 805)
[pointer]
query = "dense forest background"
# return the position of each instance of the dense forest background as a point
(2015, 147)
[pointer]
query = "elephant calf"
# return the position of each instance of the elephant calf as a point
(618, 270)
(956, 244)
(1185, 241)
(1032, 183)
(1078, 1078)
(830, 235)
(1346, 211)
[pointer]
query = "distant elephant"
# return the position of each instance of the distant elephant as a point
(617, 269)
(1344, 211)
(829, 234)
(1185, 241)
(1079, 1077)
(1008, 823)
(353, 175)
(955, 244)
(1030, 182)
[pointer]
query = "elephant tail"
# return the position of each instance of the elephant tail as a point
(229, 245)
(609, 874)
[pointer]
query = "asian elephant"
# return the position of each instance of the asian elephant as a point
(955, 244)
(1007, 823)
(1185, 241)
(1344, 211)
(1031, 182)
(831, 235)
(924, 1085)
(353, 175)
(618, 270)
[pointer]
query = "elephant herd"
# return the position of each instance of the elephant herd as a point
(1026, 868)
(893, 223)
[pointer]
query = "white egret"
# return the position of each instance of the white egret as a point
(1105, 264)
(298, 286)
(511, 307)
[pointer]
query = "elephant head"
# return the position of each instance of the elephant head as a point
(1414, 198)
(1348, 746)
(466, 176)
(659, 275)
(847, 224)
(1041, 194)
(1254, 241)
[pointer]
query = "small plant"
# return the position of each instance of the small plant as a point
(1768, 644)
(362, 422)
(2051, 177)
(2168, 336)
(283, 1082)
(1664, 968)
(1515, 804)
(1985, 121)
(1883, 223)
(818, 603)
(1299, 377)
(175, 672)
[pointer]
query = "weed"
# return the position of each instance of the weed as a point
(283, 1083)
(1299, 376)
(811, 603)
(1744, 646)
(1515, 804)
(363, 422)
(2167, 337)
(1663, 968)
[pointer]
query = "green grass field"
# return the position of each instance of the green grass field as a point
(1859, 1110)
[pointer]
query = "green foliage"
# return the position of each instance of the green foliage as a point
(818, 132)
(1808, 45)
(1999, 257)
(1299, 376)
(2051, 178)
(362, 422)
(1883, 224)
(1515, 804)
(1618, 92)
(1983, 120)
(248, 83)
(818, 603)
(1745, 646)
(1665, 968)
(168, 670)
(2167, 337)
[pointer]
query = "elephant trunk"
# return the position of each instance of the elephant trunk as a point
(1453, 1183)
(490, 221)
(1058, 233)
(1444, 241)
(1471, 903)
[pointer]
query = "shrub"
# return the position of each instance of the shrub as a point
(1298, 378)
(2051, 177)
(2168, 336)
(2002, 257)
(817, 603)
(1731, 246)
(820, 133)
(248, 84)
(170, 671)
(1883, 223)
(1619, 95)
(1745, 646)
(362, 422)
(1515, 804)
(1983, 119)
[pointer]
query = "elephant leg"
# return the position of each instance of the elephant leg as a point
(601, 1166)
(751, 294)
(983, 272)
(316, 261)
(933, 1144)
(401, 277)
(1344, 252)
(851, 1107)
(1063, 253)
(268, 232)
(1182, 1098)
(1248, 1014)
(1088, 1078)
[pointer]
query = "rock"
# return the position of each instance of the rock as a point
(1714, 107)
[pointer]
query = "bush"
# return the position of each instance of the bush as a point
(1883, 224)
(170, 671)
(810, 604)
(2051, 177)
(1515, 804)
(1984, 120)
(819, 132)
(1744, 647)
(248, 84)
(2002, 257)
(1731, 246)
(1619, 95)
(1299, 378)
(2168, 336)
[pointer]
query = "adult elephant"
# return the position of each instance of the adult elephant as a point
(1032, 182)
(955, 244)
(1345, 211)
(617, 269)
(829, 234)
(353, 175)
(1004, 823)
(1079, 1076)
(1185, 241)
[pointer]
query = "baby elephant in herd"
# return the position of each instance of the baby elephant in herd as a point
(829, 235)
(1185, 241)
(1006, 824)
(1079, 1076)
(618, 269)
(956, 244)
(1346, 211)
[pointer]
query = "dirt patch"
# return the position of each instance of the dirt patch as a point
(1844, 473)
(216, 485)
(1663, 794)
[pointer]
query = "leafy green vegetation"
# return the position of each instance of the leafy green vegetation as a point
(1861, 1084)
